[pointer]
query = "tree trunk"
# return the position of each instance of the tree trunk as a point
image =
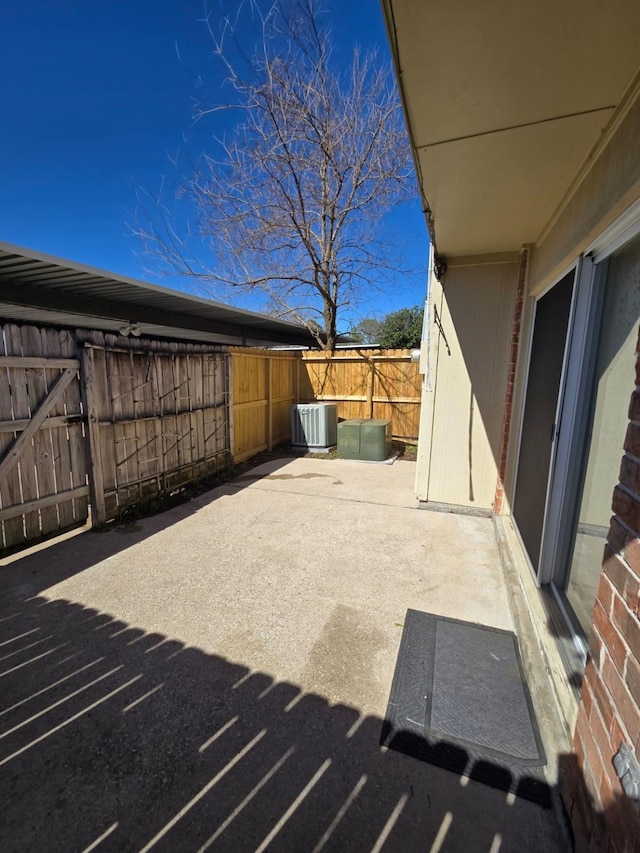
(329, 327)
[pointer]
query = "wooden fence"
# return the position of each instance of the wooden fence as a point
(91, 423)
(158, 418)
(43, 474)
(265, 384)
(87, 417)
(367, 384)
(363, 383)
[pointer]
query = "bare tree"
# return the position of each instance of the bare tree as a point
(291, 202)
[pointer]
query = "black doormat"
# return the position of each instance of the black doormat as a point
(459, 700)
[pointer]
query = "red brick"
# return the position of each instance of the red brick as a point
(634, 407)
(586, 698)
(591, 766)
(581, 824)
(632, 554)
(625, 705)
(596, 649)
(600, 694)
(628, 625)
(617, 737)
(623, 825)
(627, 508)
(633, 679)
(621, 541)
(630, 473)
(623, 580)
(605, 593)
(608, 793)
(618, 536)
(632, 440)
(601, 737)
(577, 741)
(610, 636)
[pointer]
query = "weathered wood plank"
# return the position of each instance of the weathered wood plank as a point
(56, 344)
(90, 404)
(22, 442)
(43, 503)
(34, 363)
(49, 423)
(23, 406)
(10, 494)
(75, 433)
(39, 381)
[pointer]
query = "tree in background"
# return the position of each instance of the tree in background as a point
(402, 329)
(366, 331)
(290, 202)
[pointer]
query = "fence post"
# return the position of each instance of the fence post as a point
(88, 392)
(372, 379)
(231, 404)
(269, 403)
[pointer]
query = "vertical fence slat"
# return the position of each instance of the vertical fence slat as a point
(90, 391)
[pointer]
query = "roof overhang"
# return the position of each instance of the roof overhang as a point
(38, 288)
(505, 100)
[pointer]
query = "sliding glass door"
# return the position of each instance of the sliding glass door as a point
(610, 384)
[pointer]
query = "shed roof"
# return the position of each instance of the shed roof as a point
(39, 288)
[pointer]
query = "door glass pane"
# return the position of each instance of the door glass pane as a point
(612, 386)
(543, 384)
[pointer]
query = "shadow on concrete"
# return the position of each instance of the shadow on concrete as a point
(39, 569)
(113, 738)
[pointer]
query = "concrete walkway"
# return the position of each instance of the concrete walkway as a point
(215, 677)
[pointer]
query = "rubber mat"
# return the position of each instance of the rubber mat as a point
(459, 700)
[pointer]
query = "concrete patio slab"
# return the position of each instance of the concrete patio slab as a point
(215, 676)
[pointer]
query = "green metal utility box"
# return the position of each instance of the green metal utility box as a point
(349, 438)
(375, 440)
(369, 440)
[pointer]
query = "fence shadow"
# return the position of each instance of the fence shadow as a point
(113, 738)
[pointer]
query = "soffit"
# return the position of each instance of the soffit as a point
(473, 71)
(489, 194)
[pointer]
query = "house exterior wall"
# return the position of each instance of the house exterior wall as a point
(463, 401)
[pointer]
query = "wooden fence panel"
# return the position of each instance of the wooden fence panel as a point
(367, 384)
(264, 387)
(162, 414)
(364, 384)
(43, 453)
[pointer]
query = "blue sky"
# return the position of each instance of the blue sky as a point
(98, 95)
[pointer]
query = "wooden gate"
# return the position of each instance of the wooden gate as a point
(43, 471)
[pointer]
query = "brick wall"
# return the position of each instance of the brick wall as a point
(603, 819)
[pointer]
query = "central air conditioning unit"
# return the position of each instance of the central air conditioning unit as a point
(314, 426)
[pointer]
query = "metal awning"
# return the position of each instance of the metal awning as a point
(39, 288)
